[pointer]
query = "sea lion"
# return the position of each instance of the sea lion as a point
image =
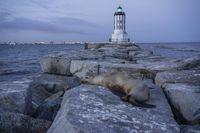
(135, 90)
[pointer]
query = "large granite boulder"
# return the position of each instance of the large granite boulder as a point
(85, 68)
(166, 64)
(184, 100)
(56, 83)
(45, 85)
(90, 108)
(19, 123)
(49, 108)
(191, 63)
(184, 76)
(15, 97)
(55, 65)
(60, 63)
(163, 65)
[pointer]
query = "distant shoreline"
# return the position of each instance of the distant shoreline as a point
(152, 43)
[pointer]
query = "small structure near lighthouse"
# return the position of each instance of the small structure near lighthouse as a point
(119, 35)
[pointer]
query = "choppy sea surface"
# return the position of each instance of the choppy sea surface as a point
(21, 61)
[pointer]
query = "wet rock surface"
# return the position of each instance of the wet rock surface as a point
(90, 108)
(19, 123)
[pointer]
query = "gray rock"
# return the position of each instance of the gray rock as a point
(172, 64)
(83, 69)
(184, 76)
(150, 84)
(54, 96)
(19, 123)
(39, 94)
(55, 65)
(190, 129)
(45, 85)
(60, 63)
(191, 63)
(49, 108)
(117, 60)
(56, 83)
(184, 100)
(15, 97)
(117, 54)
(151, 59)
(140, 53)
(90, 108)
(93, 46)
(164, 65)
(87, 68)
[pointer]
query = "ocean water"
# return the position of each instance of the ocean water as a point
(22, 61)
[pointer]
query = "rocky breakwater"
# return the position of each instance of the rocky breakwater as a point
(55, 100)
(91, 108)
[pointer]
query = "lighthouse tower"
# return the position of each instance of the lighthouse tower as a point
(119, 35)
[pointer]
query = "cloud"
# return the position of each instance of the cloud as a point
(146, 21)
(74, 22)
(57, 25)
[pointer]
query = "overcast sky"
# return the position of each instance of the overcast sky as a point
(92, 20)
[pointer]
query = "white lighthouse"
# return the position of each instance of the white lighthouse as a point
(119, 35)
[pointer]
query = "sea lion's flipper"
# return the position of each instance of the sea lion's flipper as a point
(134, 102)
(84, 81)
(124, 98)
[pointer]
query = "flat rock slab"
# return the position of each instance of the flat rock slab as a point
(185, 102)
(19, 123)
(15, 97)
(186, 76)
(91, 109)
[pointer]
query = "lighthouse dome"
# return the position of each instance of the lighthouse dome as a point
(119, 11)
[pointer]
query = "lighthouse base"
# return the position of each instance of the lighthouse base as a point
(119, 38)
